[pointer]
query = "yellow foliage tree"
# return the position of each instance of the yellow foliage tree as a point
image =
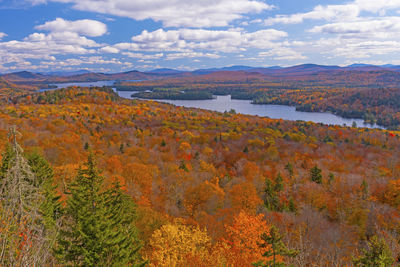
(177, 244)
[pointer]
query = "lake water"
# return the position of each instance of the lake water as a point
(81, 84)
(225, 103)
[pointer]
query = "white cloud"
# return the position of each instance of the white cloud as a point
(348, 11)
(359, 29)
(86, 27)
(64, 38)
(282, 53)
(143, 56)
(376, 6)
(94, 60)
(187, 40)
(386, 27)
(109, 50)
(174, 13)
(330, 12)
(59, 39)
(174, 56)
(2, 35)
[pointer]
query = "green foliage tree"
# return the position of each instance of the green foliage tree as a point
(364, 189)
(289, 168)
(377, 254)
(331, 178)
(51, 206)
(273, 239)
(316, 175)
(271, 191)
(121, 237)
(97, 225)
(7, 158)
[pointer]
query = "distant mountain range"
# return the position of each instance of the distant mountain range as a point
(25, 77)
(65, 73)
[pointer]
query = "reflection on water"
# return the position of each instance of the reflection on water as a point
(225, 103)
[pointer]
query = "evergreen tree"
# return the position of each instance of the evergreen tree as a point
(289, 168)
(277, 250)
(278, 183)
(364, 189)
(331, 178)
(292, 206)
(271, 199)
(315, 175)
(51, 206)
(121, 237)
(377, 254)
(7, 158)
(97, 225)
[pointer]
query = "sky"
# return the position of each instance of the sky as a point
(124, 35)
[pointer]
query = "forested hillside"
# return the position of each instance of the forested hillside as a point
(371, 95)
(168, 186)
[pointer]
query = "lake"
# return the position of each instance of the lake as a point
(225, 103)
(81, 84)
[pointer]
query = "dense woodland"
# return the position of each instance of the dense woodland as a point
(370, 95)
(107, 181)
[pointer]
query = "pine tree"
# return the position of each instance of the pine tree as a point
(97, 225)
(289, 168)
(271, 200)
(121, 237)
(22, 239)
(277, 250)
(377, 254)
(51, 206)
(315, 175)
(364, 189)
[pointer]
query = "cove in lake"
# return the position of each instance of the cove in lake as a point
(225, 103)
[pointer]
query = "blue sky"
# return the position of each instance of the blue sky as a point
(122, 35)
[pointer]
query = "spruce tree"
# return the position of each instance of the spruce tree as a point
(97, 225)
(51, 206)
(315, 175)
(272, 190)
(271, 200)
(121, 237)
(289, 168)
(377, 254)
(79, 241)
(277, 250)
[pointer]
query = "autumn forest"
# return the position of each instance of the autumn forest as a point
(92, 179)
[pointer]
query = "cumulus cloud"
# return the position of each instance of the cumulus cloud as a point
(367, 28)
(282, 53)
(359, 29)
(2, 35)
(86, 27)
(348, 11)
(143, 56)
(64, 38)
(109, 50)
(187, 40)
(173, 56)
(330, 12)
(174, 13)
